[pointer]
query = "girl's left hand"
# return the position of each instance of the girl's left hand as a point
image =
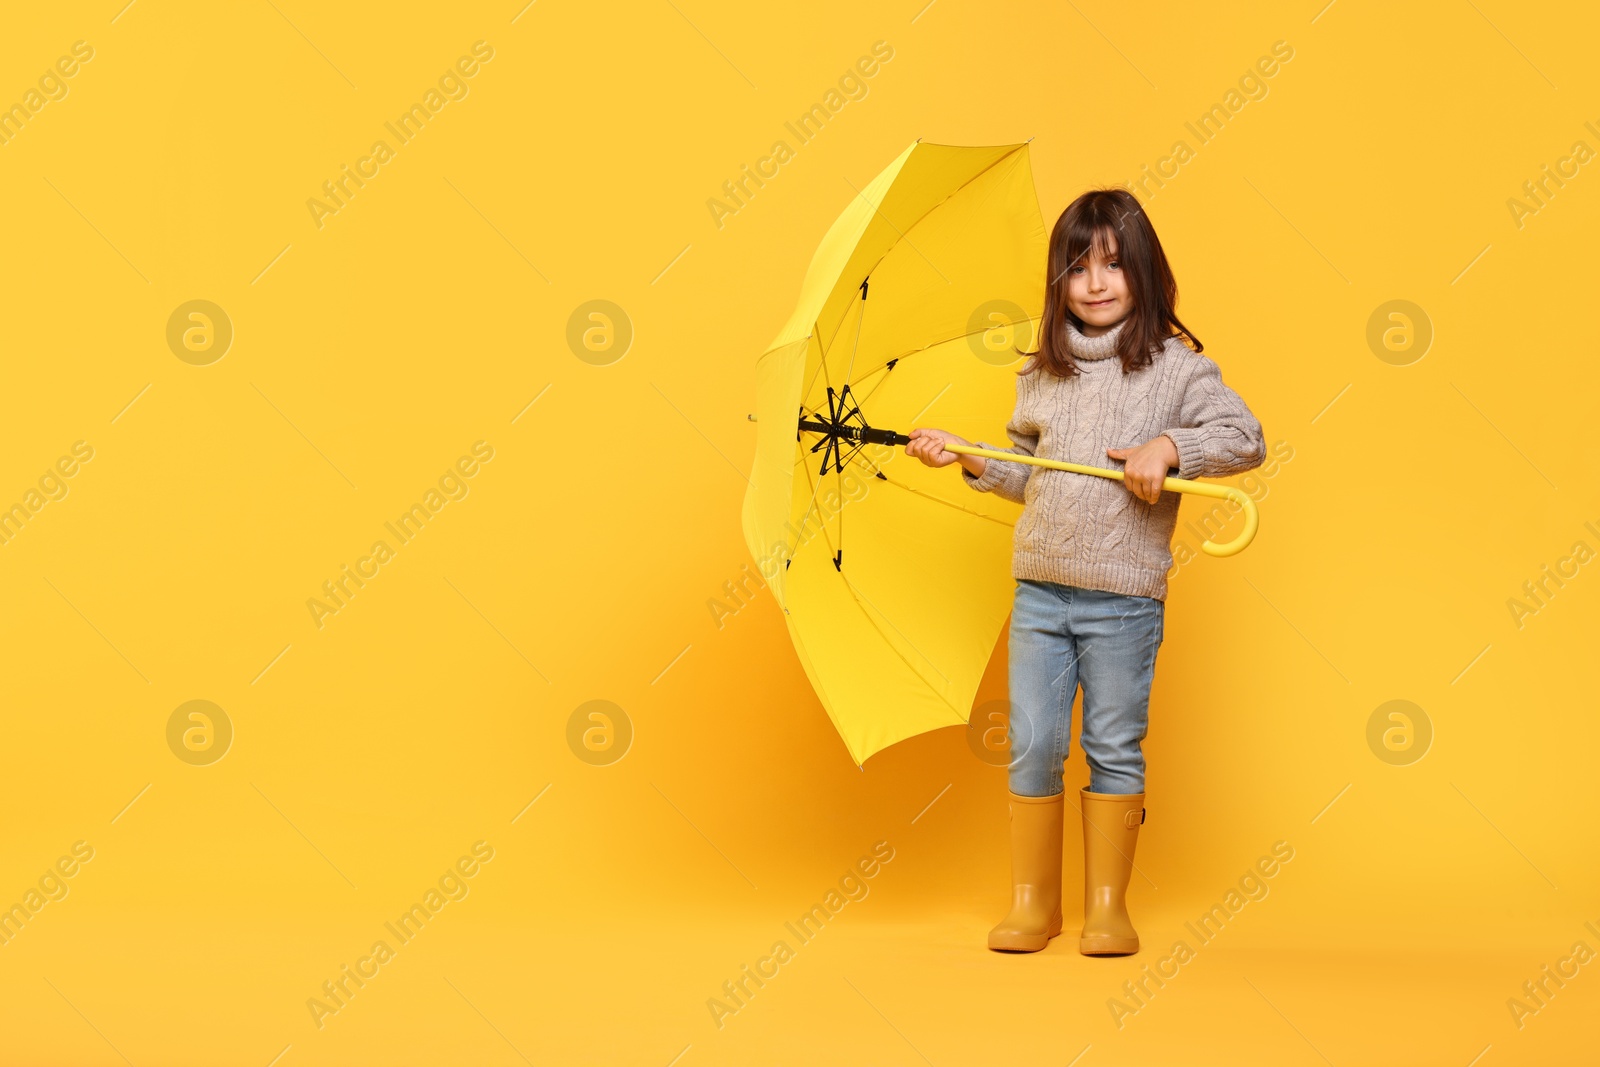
(1145, 467)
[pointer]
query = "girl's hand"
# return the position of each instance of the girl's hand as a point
(928, 446)
(1145, 467)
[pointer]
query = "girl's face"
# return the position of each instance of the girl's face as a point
(1097, 290)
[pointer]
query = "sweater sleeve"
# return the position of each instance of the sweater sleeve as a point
(1006, 480)
(1217, 434)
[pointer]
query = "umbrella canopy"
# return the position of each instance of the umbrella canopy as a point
(894, 577)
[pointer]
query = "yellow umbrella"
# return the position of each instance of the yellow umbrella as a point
(894, 578)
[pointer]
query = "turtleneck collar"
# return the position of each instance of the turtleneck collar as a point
(1093, 348)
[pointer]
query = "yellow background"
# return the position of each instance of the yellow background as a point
(426, 715)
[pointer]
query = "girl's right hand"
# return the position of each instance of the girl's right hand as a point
(928, 446)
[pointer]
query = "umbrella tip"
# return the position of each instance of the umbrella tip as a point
(752, 418)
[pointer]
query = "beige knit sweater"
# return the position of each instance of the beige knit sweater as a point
(1092, 532)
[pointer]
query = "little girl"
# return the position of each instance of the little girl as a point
(1091, 556)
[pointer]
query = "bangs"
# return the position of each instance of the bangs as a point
(1088, 231)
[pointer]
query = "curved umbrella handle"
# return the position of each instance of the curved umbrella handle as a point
(1252, 518)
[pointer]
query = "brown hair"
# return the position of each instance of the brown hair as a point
(1088, 222)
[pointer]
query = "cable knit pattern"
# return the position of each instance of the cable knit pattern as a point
(1082, 530)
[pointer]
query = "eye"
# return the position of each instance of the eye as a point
(1115, 264)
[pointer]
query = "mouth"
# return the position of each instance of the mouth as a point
(1099, 303)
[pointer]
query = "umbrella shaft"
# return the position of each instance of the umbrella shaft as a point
(873, 436)
(1182, 485)
(1174, 485)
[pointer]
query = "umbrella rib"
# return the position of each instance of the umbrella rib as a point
(843, 318)
(817, 326)
(822, 363)
(877, 472)
(935, 344)
(876, 210)
(805, 515)
(927, 347)
(907, 355)
(815, 488)
(863, 602)
(859, 597)
(926, 213)
(858, 400)
(946, 503)
(861, 318)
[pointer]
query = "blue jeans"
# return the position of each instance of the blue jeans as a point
(1061, 636)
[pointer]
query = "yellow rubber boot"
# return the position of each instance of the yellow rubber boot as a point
(1035, 875)
(1111, 824)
